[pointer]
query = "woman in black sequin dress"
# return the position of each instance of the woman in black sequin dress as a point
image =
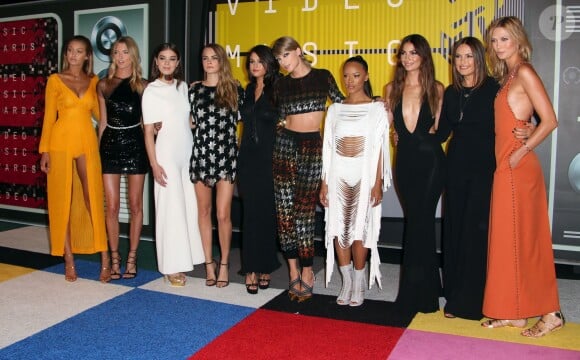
(122, 148)
(214, 106)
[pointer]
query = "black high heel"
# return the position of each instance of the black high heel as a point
(252, 287)
(115, 265)
(223, 283)
(131, 260)
(263, 282)
(209, 281)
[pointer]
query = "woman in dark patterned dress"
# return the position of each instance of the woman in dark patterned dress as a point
(256, 183)
(214, 106)
(122, 148)
(297, 162)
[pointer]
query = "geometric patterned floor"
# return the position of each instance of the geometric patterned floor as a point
(44, 317)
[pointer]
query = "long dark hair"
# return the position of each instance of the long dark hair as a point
(155, 73)
(367, 88)
(426, 76)
(268, 61)
(478, 51)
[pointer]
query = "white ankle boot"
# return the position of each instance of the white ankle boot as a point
(358, 291)
(346, 290)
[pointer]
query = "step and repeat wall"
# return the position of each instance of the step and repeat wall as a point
(30, 50)
(330, 31)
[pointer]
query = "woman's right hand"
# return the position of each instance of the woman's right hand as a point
(324, 194)
(159, 174)
(45, 162)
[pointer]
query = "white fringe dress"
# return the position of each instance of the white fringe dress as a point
(355, 137)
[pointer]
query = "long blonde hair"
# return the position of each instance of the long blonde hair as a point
(288, 43)
(136, 70)
(514, 27)
(226, 93)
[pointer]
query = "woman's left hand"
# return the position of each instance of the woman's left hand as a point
(376, 195)
(517, 156)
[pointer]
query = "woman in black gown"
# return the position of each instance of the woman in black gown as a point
(414, 98)
(255, 181)
(122, 148)
(468, 113)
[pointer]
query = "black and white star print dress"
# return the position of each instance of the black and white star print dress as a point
(215, 147)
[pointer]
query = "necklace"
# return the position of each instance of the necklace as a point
(464, 97)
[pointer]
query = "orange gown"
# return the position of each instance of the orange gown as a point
(521, 278)
(68, 133)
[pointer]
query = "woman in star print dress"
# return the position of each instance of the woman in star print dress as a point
(214, 105)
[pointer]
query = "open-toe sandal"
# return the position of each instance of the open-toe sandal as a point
(293, 292)
(498, 323)
(223, 283)
(131, 268)
(548, 323)
(264, 281)
(251, 284)
(210, 269)
(70, 273)
(115, 265)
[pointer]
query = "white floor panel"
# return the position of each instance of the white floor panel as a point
(22, 314)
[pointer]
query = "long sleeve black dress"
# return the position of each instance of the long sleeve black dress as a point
(256, 184)
(468, 113)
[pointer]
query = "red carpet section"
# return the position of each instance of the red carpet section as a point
(267, 334)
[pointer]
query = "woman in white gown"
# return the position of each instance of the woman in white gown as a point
(177, 237)
(356, 170)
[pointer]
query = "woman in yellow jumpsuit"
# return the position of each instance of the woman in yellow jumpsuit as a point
(70, 158)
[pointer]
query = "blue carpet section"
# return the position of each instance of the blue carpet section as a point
(91, 270)
(161, 326)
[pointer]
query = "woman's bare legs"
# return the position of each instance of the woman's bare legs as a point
(203, 196)
(136, 183)
(112, 183)
(81, 164)
(224, 194)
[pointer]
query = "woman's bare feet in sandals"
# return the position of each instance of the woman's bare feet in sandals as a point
(498, 323)
(548, 323)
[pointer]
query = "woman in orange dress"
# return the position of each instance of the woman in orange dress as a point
(70, 158)
(521, 279)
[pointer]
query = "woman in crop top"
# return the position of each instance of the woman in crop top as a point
(297, 161)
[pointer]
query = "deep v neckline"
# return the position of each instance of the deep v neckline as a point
(79, 97)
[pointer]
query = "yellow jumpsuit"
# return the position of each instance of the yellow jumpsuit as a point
(68, 133)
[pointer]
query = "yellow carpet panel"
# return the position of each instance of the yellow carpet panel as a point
(8, 272)
(566, 338)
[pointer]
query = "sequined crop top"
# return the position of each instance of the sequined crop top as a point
(306, 94)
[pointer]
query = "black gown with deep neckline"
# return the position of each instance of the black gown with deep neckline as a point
(419, 177)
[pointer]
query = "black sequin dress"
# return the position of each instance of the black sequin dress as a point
(122, 146)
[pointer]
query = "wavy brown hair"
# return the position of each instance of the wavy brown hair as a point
(426, 75)
(515, 28)
(226, 93)
(136, 71)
